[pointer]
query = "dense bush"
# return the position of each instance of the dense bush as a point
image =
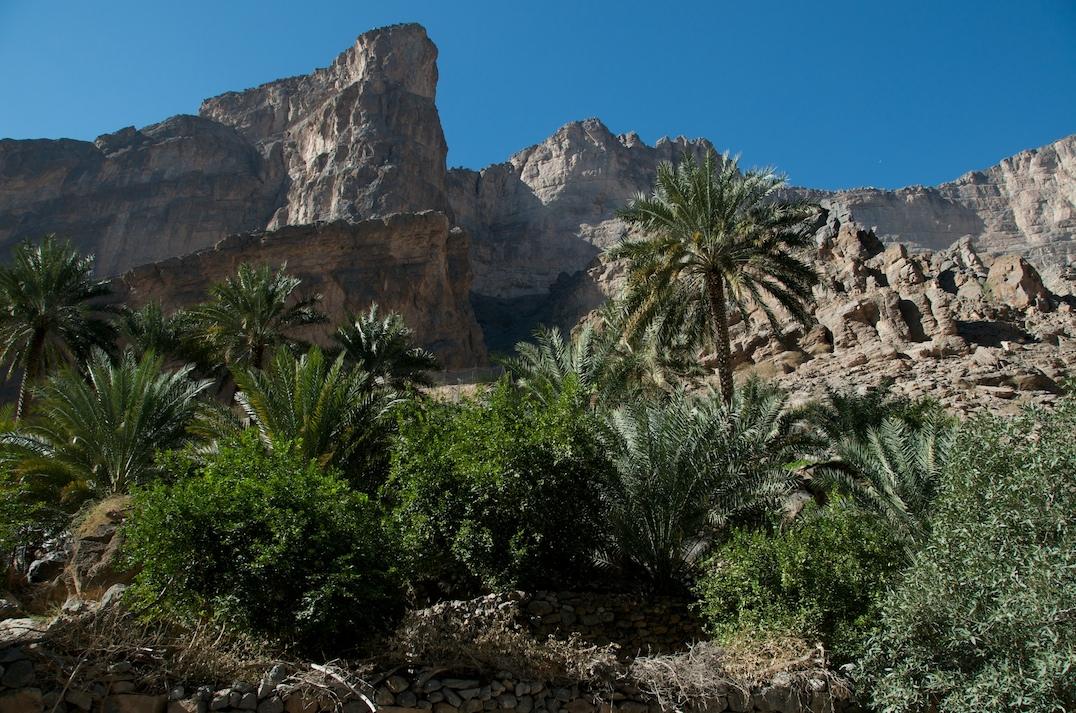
(985, 618)
(819, 578)
(506, 488)
(267, 541)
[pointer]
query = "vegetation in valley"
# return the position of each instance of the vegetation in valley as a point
(309, 494)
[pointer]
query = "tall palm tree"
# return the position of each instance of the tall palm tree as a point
(337, 413)
(51, 311)
(685, 468)
(893, 471)
(713, 238)
(385, 347)
(96, 434)
(249, 315)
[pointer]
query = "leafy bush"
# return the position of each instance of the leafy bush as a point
(267, 541)
(819, 578)
(985, 618)
(506, 488)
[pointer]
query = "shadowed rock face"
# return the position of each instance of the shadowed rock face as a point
(409, 263)
(138, 196)
(539, 220)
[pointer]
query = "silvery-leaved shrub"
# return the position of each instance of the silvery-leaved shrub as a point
(985, 617)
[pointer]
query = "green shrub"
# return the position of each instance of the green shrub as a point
(505, 489)
(985, 618)
(267, 541)
(818, 578)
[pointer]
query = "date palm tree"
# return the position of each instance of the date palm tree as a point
(715, 238)
(51, 311)
(97, 433)
(894, 471)
(686, 467)
(337, 414)
(250, 314)
(608, 368)
(385, 347)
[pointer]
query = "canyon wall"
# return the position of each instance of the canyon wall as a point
(413, 264)
(362, 139)
(136, 196)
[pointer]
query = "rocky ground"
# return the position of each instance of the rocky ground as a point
(970, 331)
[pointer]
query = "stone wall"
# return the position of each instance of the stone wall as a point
(32, 681)
(636, 623)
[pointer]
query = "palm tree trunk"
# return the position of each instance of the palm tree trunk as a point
(715, 288)
(29, 372)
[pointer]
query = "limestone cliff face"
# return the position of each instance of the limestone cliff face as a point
(1026, 204)
(137, 196)
(539, 220)
(360, 138)
(413, 264)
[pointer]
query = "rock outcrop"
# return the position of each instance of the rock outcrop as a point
(1024, 205)
(539, 220)
(136, 196)
(361, 138)
(413, 264)
(971, 331)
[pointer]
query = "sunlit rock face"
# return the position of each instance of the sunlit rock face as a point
(136, 196)
(541, 219)
(414, 264)
(360, 138)
(1024, 205)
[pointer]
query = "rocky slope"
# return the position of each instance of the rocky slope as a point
(1025, 205)
(413, 264)
(971, 331)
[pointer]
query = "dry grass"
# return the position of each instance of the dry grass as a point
(707, 670)
(99, 513)
(159, 654)
(454, 635)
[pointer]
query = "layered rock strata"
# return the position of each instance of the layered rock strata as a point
(136, 196)
(414, 264)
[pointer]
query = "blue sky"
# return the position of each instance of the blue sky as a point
(835, 94)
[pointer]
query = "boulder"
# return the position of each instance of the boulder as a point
(24, 700)
(1014, 282)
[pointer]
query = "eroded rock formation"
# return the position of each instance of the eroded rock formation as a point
(136, 196)
(1024, 205)
(360, 138)
(413, 264)
(539, 220)
(971, 331)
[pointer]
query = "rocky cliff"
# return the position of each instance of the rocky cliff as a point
(1025, 205)
(360, 138)
(413, 264)
(136, 196)
(540, 219)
